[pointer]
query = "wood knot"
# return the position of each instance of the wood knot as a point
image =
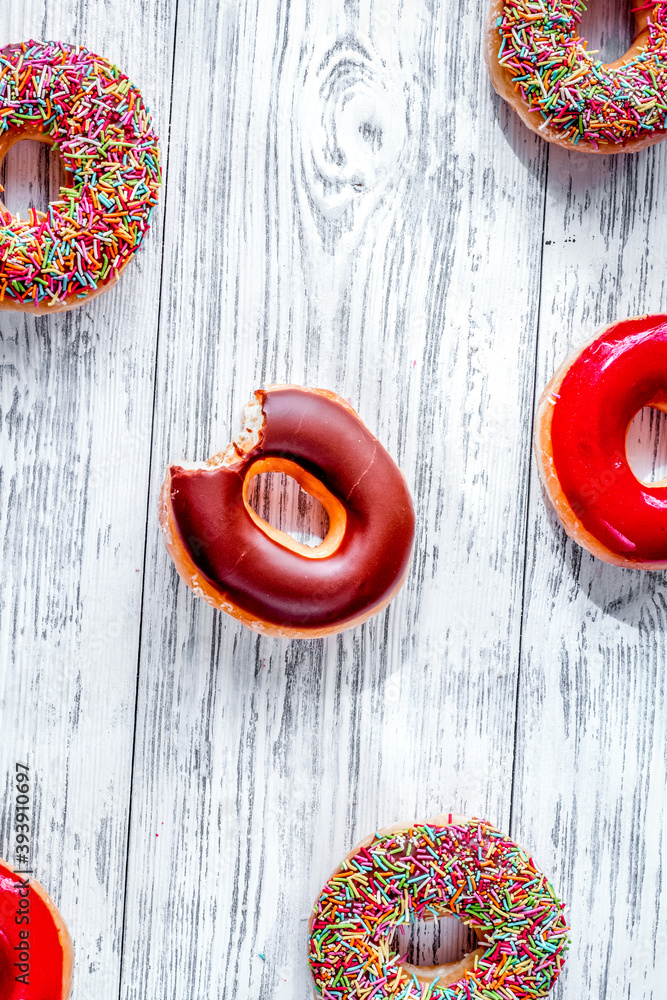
(354, 119)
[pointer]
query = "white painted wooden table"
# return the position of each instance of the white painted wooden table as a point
(346, 204)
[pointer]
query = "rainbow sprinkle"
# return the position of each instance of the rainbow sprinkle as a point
(97, 121)
(587, 102)
(428, 871)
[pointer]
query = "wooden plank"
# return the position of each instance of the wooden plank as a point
(589, 790)
(76, 394)
(350, 213)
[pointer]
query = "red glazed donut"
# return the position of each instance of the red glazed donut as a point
(443, 866)
(238, 562)
(581, 426)
(79, 102)
(36, 954)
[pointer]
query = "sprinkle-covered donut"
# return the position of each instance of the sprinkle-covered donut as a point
(581, 426)
(35, 947)
(263, 577)
(447, 865)
(540, 65)
(89, 111)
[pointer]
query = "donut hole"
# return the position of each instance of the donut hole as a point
(280, 500)
(31, 175)
(434, 942)
(609, 28)
(646, 445)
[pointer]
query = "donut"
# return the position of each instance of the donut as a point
(580, 429)
(539, 64)
(443, 866)
(89, 111)
(261, 576)
(36, 953)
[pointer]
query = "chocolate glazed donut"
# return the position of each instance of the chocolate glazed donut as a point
(262, 576)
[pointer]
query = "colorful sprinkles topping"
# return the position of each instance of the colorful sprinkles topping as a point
(576, 94)
(428, 871)
(103, 132)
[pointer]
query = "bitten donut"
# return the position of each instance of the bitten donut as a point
(36, 954)
(89, 111)
(581, 426)
(446, 865)
(539, 65)
(238, 562)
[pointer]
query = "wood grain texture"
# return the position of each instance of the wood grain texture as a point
(589, 790)
(346, 205)
(76, 397)
(337, 222)
(591, 739)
